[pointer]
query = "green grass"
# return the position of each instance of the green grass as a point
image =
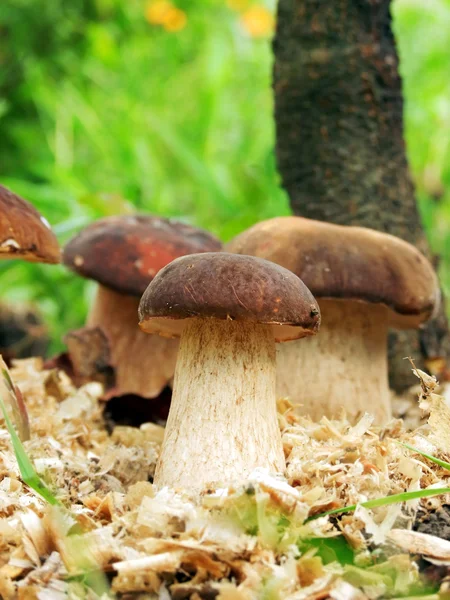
(437, 461)
(385, 501)
(27, 471)
(100, 111)
(395, 498)
(90, 575)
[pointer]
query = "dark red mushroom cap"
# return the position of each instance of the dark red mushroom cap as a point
(24, 233)
(221, 285)
(124, 253)
(348, 263)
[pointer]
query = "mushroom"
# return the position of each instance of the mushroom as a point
(123, 254)
(365, 282)
(24, 233)
(229, 311)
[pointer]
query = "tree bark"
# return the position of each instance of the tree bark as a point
(340, 144)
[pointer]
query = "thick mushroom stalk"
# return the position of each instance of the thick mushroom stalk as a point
(222, 422)
(345, 367)
(143, 364)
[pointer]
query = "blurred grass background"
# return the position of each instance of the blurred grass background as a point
(107, 106)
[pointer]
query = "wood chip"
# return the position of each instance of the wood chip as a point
(424, 544)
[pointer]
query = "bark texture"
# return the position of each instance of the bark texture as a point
(344, 367)
(340, 144)
(223, 421)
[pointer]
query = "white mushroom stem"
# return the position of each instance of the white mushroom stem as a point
(344, 366)
(144, 364)
(223, 421)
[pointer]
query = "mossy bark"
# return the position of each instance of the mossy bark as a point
(340, 144)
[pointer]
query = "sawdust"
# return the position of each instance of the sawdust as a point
(243, 542)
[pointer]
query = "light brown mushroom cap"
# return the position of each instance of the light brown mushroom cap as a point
(348, 263)
(220, 285)
(24, 233)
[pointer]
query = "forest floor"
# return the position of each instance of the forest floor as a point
(111, 534)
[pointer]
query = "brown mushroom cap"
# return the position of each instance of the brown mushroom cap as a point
(221, 285)
(24, 233)
(124, 253)
(343, 262)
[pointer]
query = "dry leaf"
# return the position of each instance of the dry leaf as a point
(10, 392)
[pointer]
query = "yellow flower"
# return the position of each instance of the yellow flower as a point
(258, 21)
(156, 12)
(237, 4)
(163, 12)
(175, 20)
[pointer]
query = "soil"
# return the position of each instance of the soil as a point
(434, 522)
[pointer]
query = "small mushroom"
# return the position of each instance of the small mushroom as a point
(123, 254)
(24, 233)
(229, 311)
(366, 282)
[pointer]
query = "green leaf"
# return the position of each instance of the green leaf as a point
(333, 549)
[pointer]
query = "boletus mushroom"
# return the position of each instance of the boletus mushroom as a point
(123, 254)
(365, 282)
(24, 233)
(229, 311)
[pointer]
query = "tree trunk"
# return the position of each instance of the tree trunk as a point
(340, 145)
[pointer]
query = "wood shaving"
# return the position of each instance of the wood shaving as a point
(244, 542)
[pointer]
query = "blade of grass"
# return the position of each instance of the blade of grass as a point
(92, 574)
(437, 461)
(27, 471)
(385, 501)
